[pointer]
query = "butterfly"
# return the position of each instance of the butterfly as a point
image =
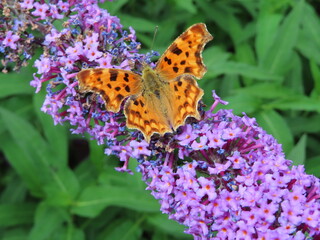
(161, 99)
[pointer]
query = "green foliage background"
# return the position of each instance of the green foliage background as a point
(264, 60)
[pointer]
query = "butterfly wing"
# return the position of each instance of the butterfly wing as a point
(144, 113)
(113, 85)
(184, 54)
(185, 101)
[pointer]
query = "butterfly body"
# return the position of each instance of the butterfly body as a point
(159, 100)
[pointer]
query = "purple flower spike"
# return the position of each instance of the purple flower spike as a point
(230, 180)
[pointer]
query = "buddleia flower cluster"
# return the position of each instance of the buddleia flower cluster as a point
(226, 178)
(222, 177)
(90, 37)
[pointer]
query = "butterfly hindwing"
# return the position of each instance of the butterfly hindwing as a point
(186, 98)
(184, 54)
(143, 113)
(113, 85)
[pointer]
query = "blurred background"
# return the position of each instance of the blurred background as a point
(264, 60)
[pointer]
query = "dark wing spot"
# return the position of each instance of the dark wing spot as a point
(187, 54)
(183, 62)
(145, 112)
(117, 89)
(175, 50)
(197, 54)
(138, 114)
(179, 83)
(175, 69)
(168, 60)
(141, 103)
(127, 88)
(136, 103)
(109, 85)
(146, 122)
(99, 79)
(175, 88)
(120, 97)
(188, 70)
(126, 77)
(113, 75)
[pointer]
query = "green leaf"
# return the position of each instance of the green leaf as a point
(242, 69)
(187, 5)
(298, 103)
(240, 103)
(266, 91)
(138, 23)
(113, 7)
(24, 165)
(122, 229)
(14, 83)
(56, 135)
(298, 152)
(15, 234)
(15, 190)
(309, 43)
(48, 219)
(274, 124)
(313, 166)
(41, 166)
(95, 198)
(315, 71)
(267, 26)
(278, 56)
(16, 214)
(162, 222)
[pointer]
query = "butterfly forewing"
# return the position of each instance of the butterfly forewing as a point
(184, 54)
(113, 85)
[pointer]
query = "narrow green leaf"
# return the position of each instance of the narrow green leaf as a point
(277, 58)
(274, 124)
(95, 198)
(16, 214)
(56, 135)
(267, 91)
(298, 152)
(267, 26)
(300, 103)
(242, 69)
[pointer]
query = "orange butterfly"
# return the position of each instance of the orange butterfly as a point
(161, 99)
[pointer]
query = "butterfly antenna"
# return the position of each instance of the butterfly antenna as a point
(154, 37)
